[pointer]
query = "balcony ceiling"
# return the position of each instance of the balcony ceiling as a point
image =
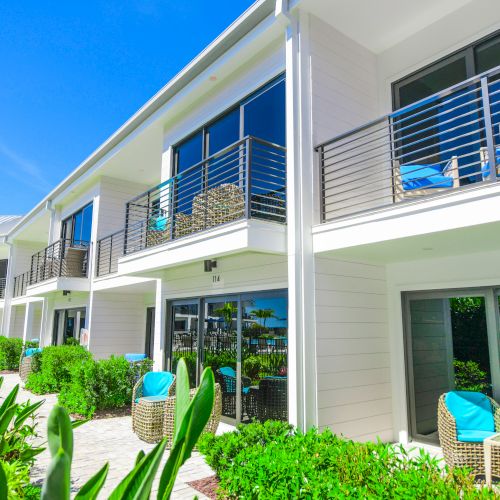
(380, 24)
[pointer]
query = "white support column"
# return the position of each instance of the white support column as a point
(160, 327)
(28, 321)
(47, 316)
(9, 290)
(300, 212)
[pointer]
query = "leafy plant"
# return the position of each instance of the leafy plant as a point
(272, 460)
(10, 353)
(470, 377)
(227, 312)
(71, 341)
(53, 366)
(252, 366)
(191, 416)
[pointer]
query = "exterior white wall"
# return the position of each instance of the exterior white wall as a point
(22, 252)
(354, 382)
(113, 195)
(344, 82)
(118, 324)
(237, 273)
(17, 321)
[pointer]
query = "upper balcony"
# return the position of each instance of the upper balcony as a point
(244, 181)
(55, 268)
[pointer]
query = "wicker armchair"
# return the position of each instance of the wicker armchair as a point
(272, 399)
(227, 381)
(148, 411)
(212, 424)
(25, 363)
(465, 454)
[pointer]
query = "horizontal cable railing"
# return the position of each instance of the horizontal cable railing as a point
(21, 282)
(444, 142)
(63, 258)
(244, 180)
(3, 284)
(109, 250)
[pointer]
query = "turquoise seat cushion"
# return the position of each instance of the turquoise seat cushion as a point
(32, 350)
(472, 412)
(135, 357)
(424, 177)
(228, 371)
(156, 383)
(473, 436)
(152, 398)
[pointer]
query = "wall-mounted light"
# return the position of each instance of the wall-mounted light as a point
(66, 292)
(209, 265)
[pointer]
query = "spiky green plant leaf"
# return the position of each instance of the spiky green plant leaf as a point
(26, 413)
(9, 400)
(57, 479)
(59, 432)
(6, 417)
(4, 489)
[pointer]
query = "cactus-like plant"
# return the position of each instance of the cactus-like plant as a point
(191, 417)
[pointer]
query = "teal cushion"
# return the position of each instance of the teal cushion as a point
(471, 410)
(156, 383)
(32, 350)
(228, 371)
(473, 436)
(132, 357)
(152, 398)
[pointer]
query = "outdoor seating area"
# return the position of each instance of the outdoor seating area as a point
(467, 421)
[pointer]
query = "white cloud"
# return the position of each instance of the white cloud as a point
(25, 171)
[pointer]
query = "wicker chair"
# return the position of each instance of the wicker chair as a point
(272, 399)
(148, 411)
(212, 424)
(227, 381)
(25, 363)
(465, 454)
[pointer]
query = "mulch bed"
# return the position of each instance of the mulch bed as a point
(208, 486)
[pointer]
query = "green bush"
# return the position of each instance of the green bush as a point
(470, 377)
(273, 461)
(101, 384)
(53, 367)
(252, 366)
(10, 353)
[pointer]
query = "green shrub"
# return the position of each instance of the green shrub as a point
(272, 461)
(10, 353)
(190, 359)
(101, 384)
(470, 377)
(53, 368)
(252, 366)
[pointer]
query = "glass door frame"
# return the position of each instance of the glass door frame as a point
(491, 297)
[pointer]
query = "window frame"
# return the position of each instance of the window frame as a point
(72, 218)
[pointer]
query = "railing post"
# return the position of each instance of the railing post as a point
(98, 259)
(110, 253)
(488, 127)
(248, 191)
(171, 211)
(321, 153)
(61, 245)
(125, 235)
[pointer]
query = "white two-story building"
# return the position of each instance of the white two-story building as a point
(312, 203)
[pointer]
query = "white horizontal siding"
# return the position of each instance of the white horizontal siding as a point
(18, 314)
(353, 359)
(118, 324)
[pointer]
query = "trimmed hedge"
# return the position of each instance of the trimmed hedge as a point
(10, 353)
(273, 461)
(101, 384)
(52, 367)
(84, 384)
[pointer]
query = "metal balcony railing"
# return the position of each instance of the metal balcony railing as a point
(442, 143)
(244, 180)
(3, 284)
(109, 250)
(63, 258)
(21, 282)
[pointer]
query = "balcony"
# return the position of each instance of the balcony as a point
(109, 250)
(246, 180)
(3, 284)
(21, 283)
(443, 144)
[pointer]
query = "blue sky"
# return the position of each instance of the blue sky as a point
(72, 72)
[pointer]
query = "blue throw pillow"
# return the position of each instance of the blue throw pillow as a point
(472, 411)
(424, 177)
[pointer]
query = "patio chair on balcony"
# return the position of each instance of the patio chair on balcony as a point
(212, 424)
(158, 230)
(226, 377)
(25, 363)
(485, 165)
(465, 420)
(148, 404)
(412, 181)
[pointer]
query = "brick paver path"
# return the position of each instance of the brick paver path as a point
(106, 440)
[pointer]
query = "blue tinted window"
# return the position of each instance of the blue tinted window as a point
(224, 131)
(264, 114)
(189, 152)
(86, 232)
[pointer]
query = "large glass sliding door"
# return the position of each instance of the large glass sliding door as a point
(452, 344)
(244, 339)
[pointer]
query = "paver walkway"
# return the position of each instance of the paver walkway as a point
(106, 440)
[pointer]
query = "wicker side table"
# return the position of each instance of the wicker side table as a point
(491, 458)
(148, 418)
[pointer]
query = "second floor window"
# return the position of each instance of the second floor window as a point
(77, 228)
